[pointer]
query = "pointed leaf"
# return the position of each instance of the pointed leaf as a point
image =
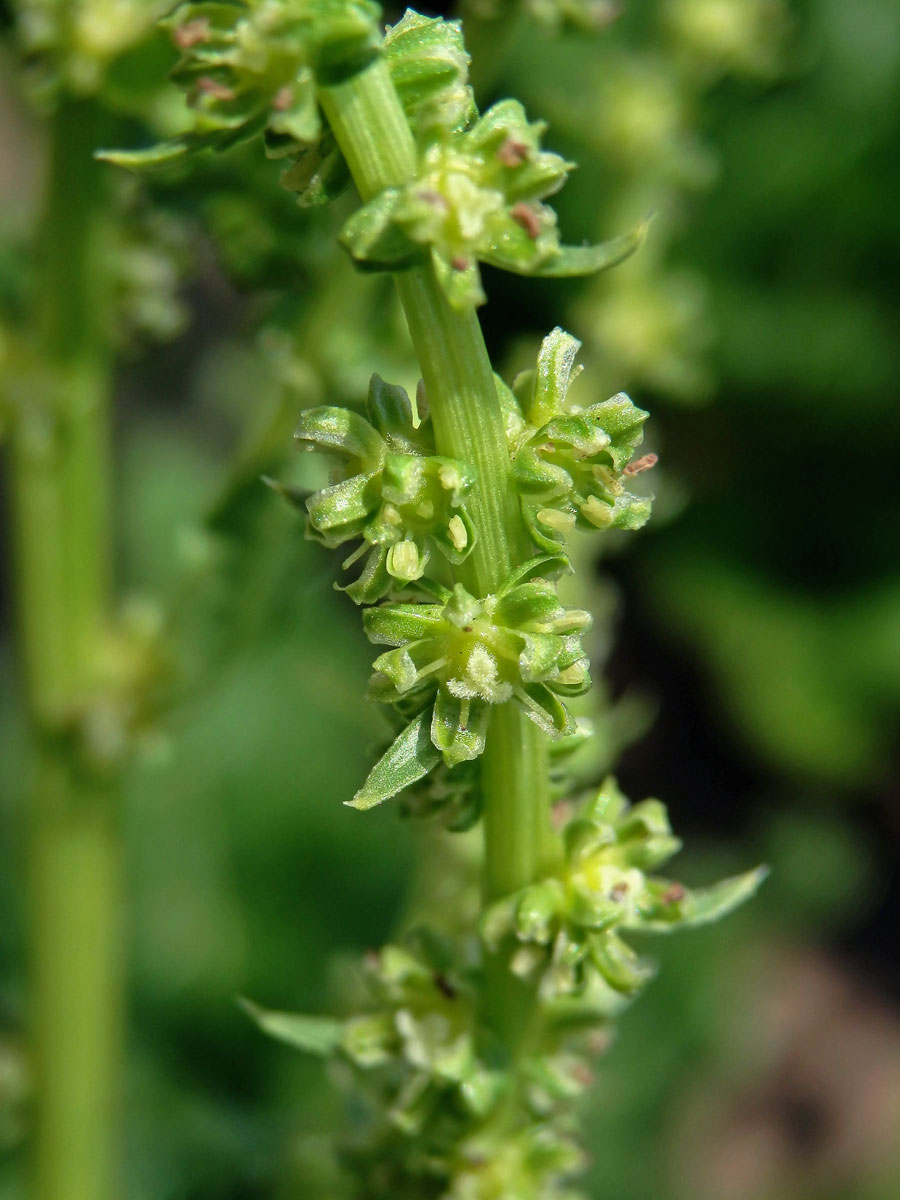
(315, 1035)
(571, 261)
(688, 909)
(409, 758)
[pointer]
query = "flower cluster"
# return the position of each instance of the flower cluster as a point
(452, 660)
(252, 66)
(435, 1110)
(391, 491)
(567, 928)
(476, 197)
(569, 463)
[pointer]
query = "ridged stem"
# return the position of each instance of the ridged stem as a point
(368, 121)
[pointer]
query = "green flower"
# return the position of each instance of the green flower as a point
(251, 66)
(391, 491)
(477, 197)
(570, 464)
(453, 660)
(568, 927)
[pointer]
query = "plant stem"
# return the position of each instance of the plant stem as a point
(368, 121)
(59, 480)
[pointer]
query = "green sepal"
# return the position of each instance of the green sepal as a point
(669, 906)
(621, 418)
(396, 624)
(389, 409)
(408, 759)
(342, 431)
(313, 1034)
(539, 657)
(551, 379)
(645, 836)
(542, 566)
(374, 581)
(459, 281)
(459, 727)
(533, 475)
(373, 239)
(543, 707)
(622, 969)
(532, 606)
(370, 1040)
(339, 512)
(399, 667)
(538, 910)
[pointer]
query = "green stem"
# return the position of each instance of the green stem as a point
(59, 481)
(368, 121)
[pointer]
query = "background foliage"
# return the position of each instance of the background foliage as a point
(754, 661)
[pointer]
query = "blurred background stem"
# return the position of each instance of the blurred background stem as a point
(60, 467)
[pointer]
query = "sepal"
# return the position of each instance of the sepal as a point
(391, 491)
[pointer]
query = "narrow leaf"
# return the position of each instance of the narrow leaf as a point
(408, 758)
(580, 260)
(314, 1035)
(688, 909)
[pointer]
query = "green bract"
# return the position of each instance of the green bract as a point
(391, 491)
(569, 464)
(568, 925)
(454, 659)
